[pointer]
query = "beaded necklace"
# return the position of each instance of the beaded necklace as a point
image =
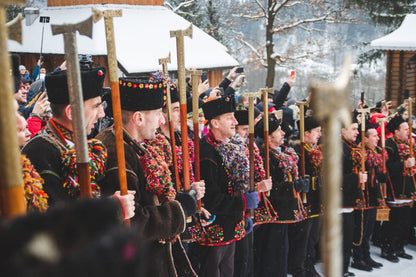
(59, 136)
(356, 155)
(35, 196)
(156, 168)
(375, 158)
(235, 162)
(315, 157)
(288, 163)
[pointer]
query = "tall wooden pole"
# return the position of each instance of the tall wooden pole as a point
(363, 113)
(302, 142)
(264, 92)
(381, 121)
(195, 75)
(115, 91)
(164, 62)
(330, 105)
(410, 109)
(12, 199)
(180, 34)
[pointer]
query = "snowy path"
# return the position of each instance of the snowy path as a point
(404, 268)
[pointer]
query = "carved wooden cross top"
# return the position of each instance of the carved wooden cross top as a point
(381, 122)
(164, 62)
(363, 113)
(98, 14)
(251, 96)
(331, 106)
(180, 56)
(410, 107)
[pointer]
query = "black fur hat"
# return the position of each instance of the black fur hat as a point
(394, 123)
(141, 94)
(174, 93)
(310, 123)
(274, 124)
(57, 85)
(242, 117)
(218, 107)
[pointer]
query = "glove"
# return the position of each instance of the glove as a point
(188, 202)
(252, 200)
(306, 183)
(302, 184)
(248, 225)
(127, 203)
(382, 177)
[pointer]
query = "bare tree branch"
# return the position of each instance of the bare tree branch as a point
(300, 22)
(276, 8)
(260, 57)
(180, 6)
(262, 8)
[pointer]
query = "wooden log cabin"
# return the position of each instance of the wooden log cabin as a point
(401, 60)
(138, 48)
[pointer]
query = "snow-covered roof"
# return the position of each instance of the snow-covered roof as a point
(403, 38)
(142, 36)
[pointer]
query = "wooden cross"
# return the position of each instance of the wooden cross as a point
(195, 76)
(265, 92)
(363, 113)
(381, 122)
(12, 201)
(331, 106)
(410, 101)
(251, 96)
(76, 99)
(180, 36)
(164, 62)
(302, 105)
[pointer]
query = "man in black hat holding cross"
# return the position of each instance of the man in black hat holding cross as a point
(400, 191)
(224, 167)
(161, 212)
(52, 151)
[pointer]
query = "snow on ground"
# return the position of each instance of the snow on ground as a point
(404, 268)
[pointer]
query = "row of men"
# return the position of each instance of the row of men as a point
(286, 227)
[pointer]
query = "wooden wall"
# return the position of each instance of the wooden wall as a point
(53, 61)
(400, 75)
(214, 77)
(53, 3)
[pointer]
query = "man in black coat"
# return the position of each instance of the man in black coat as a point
(50, 151)
(401, 190)
(224, 167)
(313, 168)
(365, 217)
(351, 189)
(160, 212)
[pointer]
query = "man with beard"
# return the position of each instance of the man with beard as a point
(52, 151)
(224, 167)
(161, 212)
